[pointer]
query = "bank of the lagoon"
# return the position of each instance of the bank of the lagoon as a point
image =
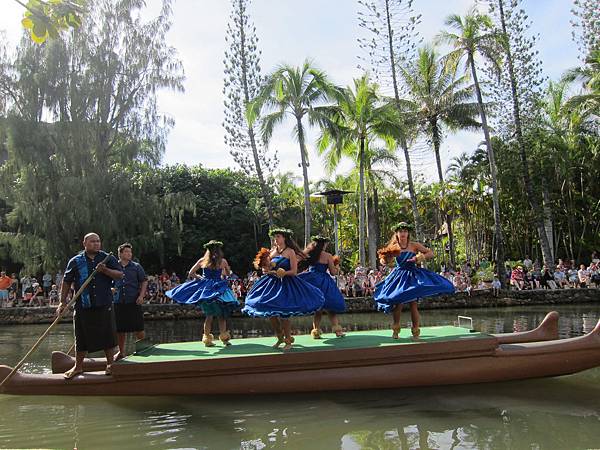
(477, 299)
(558, 413)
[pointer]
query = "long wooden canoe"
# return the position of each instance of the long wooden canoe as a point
(547, 330)
(362, 360)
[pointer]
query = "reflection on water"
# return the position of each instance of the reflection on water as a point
(561, 413)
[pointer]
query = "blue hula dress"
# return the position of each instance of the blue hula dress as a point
(407, 283)
(210, 292)
(318, 276)
(272, 296)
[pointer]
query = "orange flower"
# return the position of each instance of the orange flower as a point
(262, 258)
(336, 260)
(389, 252)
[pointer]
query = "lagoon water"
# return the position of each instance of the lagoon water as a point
(557, 413)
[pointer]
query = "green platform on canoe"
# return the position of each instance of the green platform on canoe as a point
(180, 351)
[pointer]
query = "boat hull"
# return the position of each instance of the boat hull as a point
(545, 331)
(477, 360)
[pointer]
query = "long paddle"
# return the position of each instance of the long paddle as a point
(58, 317)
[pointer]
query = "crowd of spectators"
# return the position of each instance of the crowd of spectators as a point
(566, 274)
(29, 291)
(528, 275)
(523, 275)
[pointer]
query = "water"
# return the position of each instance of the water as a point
(557, 413)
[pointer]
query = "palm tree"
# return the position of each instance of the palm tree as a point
(347, 129)
(589, 75)
(292, 91)
(475, 37)
(438, 100)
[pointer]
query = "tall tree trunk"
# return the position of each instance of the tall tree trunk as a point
(533, 200)
(403, 144)
(261, 178)
(493, 170)
(377, 219)
(372, 231)
(303, 157)
(448, 218)
(412, 193)
(361, 205)
(548, 222)
(257, 166)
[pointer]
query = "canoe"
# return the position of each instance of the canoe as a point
(362, 360)
(547, 330)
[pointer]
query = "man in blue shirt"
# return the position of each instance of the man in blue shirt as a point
(129, 297)
(94, 320)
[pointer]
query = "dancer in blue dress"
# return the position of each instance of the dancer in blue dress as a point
(279, 294)
(319, 262)
(407, 282)
(210, 291)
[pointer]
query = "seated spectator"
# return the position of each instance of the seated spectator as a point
(53, 295)
(560, 278)
(164, 276)
(573, 278)
(583, 276)
(38, 295)
(517, 278)
(152, 290)
(360, 274)
(13, 293)
(460, 282)
(28, 295)
(350, 285)
(595, 274)
(527, 263)
(548, 279)
(341, 283)
(536, 277)
(367, 285)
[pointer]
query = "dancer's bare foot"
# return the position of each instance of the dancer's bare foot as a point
(207, 339)
(396, 332)
(279, 341)
(288, 344)
(338, 330)
(416, 332)
(225, 338)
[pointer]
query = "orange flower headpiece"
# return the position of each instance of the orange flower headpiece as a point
(262, 258)
(391, 251)
(336, 260)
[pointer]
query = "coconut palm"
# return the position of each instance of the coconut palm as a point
(292, 91)
(476, 38)
(438, 100)
(349, 127)
(589, 75)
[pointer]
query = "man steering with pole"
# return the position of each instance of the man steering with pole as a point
(94, 320)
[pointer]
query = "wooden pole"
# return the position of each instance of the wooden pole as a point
(57, 320)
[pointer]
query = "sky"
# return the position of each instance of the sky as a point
(290, 31)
